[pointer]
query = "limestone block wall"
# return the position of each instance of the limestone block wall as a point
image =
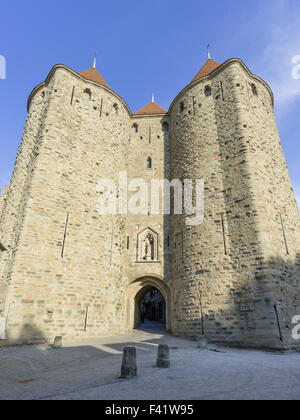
(68, 270)
(217, 266)
(277, 275)
(203, 282)
(3, 252)
(149, 138)
(16, 196)
(242, 218)
(149, 142)
(3, 195)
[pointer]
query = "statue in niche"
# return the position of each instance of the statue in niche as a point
(149, 247)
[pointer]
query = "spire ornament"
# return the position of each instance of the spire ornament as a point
(208, 51)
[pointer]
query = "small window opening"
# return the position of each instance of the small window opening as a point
(87, 95)
(135, 128)
(207, 91)
(181, 107)
(116, 109)
(149, 163)
(165, 127)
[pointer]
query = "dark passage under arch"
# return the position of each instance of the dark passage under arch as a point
(150, 309)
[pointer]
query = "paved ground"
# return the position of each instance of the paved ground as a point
(90, 370)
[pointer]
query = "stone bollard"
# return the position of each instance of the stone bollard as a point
(202, 343)
(163, 356)
(129, 366)
(57, 343)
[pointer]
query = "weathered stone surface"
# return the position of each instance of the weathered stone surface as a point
(163, 356)
(129, 365)
(57, 343)
(202, 343)
(223, 278)
(2, 328)
(230, 140)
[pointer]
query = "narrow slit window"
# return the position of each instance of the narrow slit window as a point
(72, 96)
(181, 107)
(101, 108)
(149, 163)
(168, 241)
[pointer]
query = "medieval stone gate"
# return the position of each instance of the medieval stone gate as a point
(136, 291)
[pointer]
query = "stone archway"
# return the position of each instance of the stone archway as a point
(134, 294)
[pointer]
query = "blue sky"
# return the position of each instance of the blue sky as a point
(144, 47)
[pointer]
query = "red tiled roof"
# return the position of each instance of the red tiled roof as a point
(151, 108)
(208, 68)
(93, 75)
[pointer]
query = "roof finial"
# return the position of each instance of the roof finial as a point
(153, 100)
(208, 51)
(95, 61)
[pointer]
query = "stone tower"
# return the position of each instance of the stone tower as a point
(235, 276)
(66, 269)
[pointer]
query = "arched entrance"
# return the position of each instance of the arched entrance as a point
(151, 309)
(142, 289)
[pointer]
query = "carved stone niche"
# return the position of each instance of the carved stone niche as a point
(147, 249)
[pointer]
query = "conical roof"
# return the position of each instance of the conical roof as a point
(93, 75)
(208, 68)
(151, 108)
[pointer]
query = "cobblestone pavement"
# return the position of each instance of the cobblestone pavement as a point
(91, 369)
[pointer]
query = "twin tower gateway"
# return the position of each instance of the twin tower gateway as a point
(68, 269)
